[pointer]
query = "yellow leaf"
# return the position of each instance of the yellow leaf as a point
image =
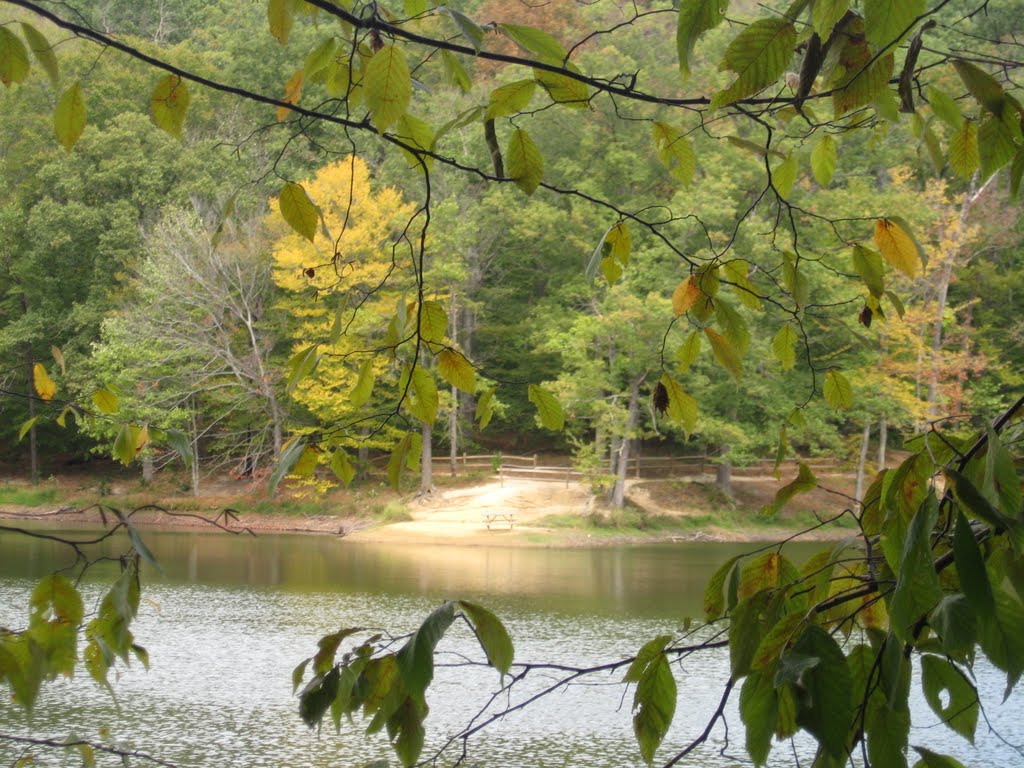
(59, 357)
(388, 85)
(299, 211)
(525, 165)
(280, 15)
(292, 93)
(685, 296)
(897, 246)
(725, 353)
(105, 401)
(169, 104)
(46, 388)
(456, 370)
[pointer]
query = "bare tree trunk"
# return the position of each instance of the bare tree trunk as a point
(723, 472)
(862, 461)
(453, 413)
(942, 298)
(148, 470)
(883, 436)
(363, 455)
(618, 496)
(426, 460)
(195, 450)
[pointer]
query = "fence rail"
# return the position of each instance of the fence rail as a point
(536, 467)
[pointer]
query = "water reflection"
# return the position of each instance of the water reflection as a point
(229, 618)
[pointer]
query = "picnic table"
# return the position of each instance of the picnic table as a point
(507, 516)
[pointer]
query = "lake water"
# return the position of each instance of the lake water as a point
(230, 617)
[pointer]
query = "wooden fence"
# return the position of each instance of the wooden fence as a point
(639, 467)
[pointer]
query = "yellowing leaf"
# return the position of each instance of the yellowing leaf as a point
(124, 444)
(548, 408)
(824, 158)
(758, 55)
(320, 58)
(964, 157)
(14, 67)
(46, 387)
(58, 358)
(896, 246)
(510, 99)
(419, 136)
(837, 390)
(43, 51)
(388, 86)
(688, 351)
(280, 15)
(26, 427)
(685, 296)
(342, 467)
(564, 89)
(868, 264)
(456, 73)
(364, 385)
(784, 346)
(456, 370)
(887, 21)
(535, 41)
(422, 399)
(725, 353)
(784, 175)
(485, 408)
(169, 104)
(299, 211)
(105, 401)
(674, 152)
(524, 162)
(621, 243)
(682, 408)
(292, 94)
(69, 117)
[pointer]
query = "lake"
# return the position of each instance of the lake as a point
(229, 618)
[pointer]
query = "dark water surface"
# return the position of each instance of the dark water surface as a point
(229, 617)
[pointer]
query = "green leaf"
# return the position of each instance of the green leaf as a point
(485, 408)
(525, 165)
(432, 321)
(297, 674)
(917, 588)
(695, 18)
(868, 264)
(363, 387)
(69, 116)
(14, 66)
(931, 759)
(388, 86)
(416, 657)
(714, 600)
(1001, 485)
(682, 408)
(467, 27)
(26, 427)
(289, 456)
(823, 692)
(945, 107)
(301, 365)
(960, 712)
(492, 635)
(43, 52)
(824, 159)
(299, 211)
(320, 58)
(997, 146)
(457, 370)
(837, 390)
(423, 401)
(970, 567)
(510, 99)
(654, 705)
(106, 401)
(758, 56)
(795, 281)
(804, 482)
(688, 351)
(549, 410)
(405, 728)
(563, 89)
(535, 41)
(455, 73)
(281, 17)
(746, 627)
(169, 104)
(342, 467)
(725, 353)
(888, 21)
(954, 621)
(781, 634)
(759, 711)
(825, 14)
(419, 136)
(982, 86)
(645, 656)
(860, 86)
(974, 502)
(784, 175)
(784, 346)
(674, 152)
(733, 325)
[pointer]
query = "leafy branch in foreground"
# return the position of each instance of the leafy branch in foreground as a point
(828, 647)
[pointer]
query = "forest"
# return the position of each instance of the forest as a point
(283, 239)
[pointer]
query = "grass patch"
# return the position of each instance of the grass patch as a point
(392, 512)
(27, 497)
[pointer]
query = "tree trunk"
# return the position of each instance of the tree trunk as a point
(195, 450)
(453, 412)
(862, 461)
(33, 446)
(883, 436)
(618, 496)
(363, 455)
(148, 470)
(723, 472)
(426, 460)
(933, 378)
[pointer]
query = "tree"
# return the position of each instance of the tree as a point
(935, 573)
